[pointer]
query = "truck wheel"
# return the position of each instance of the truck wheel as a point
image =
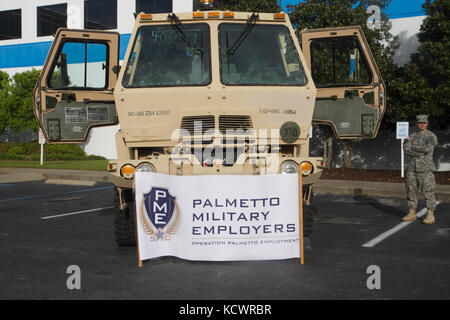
(125, 220)
(308, 220)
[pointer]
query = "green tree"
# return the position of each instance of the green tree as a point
(4, 95)
(16, 101)
(423, 84)
(249, 6)
(4, 79)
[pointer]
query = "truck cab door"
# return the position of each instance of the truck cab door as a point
(74, 92)
(350, 89)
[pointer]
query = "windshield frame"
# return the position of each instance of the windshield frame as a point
(296, 46)
(58, 54)
(125, 85)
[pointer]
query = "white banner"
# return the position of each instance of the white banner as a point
(218, 218)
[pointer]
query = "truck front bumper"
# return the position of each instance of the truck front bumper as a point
(163, 164)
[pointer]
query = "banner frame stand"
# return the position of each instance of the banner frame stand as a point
(140, 262)
(300, 204)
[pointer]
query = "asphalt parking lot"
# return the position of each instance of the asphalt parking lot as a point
(46, 228)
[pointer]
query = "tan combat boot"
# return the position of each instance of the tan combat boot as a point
(429, 219)
(410, 217)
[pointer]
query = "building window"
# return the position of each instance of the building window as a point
(50, 18)
(153, 6)
(100, 14)
(195, 4)
(11, 24)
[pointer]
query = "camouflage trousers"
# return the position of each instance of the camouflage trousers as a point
(423, 182)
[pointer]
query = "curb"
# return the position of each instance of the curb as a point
(373, 189)
(359, 192)
(334, 187)
(104, 177)
(71, 182)
(443, 197)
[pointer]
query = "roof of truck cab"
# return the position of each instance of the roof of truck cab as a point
(143, 17)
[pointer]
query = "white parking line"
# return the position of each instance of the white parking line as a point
(73, 213)
(395, 229)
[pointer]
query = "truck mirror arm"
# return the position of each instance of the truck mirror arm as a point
(116, 69)
(175, 24)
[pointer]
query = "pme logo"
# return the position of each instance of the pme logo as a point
(162, 217)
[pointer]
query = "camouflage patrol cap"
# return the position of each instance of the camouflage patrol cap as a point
(422, 118)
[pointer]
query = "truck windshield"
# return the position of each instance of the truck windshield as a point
(163, 56)
(267, 56)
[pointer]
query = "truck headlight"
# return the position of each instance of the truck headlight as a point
(306, 168)
(289, 166)
(127, 171)
(145, 167)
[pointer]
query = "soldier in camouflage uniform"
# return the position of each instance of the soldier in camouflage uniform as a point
(419, 175)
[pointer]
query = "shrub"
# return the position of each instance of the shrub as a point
(60, 156)
(35, 157)
(66, 149)
(16, 150)
(32, 147)
(32, 151)
(6, 156)
(94, 157)
(4, 148)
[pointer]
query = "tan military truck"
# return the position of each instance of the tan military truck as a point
(209, 92)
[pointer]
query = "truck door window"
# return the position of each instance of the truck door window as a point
(165, 57)
(80, 65)
(338, 62)
(267, 56)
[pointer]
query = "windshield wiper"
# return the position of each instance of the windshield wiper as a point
(175, 24)
(251, 22)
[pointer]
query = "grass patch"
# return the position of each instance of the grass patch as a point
(98, 165)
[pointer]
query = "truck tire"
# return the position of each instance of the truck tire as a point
(125, 221)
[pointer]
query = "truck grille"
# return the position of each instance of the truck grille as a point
(226, 122)
(241, 127)
(235, 122)
(203, 123)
